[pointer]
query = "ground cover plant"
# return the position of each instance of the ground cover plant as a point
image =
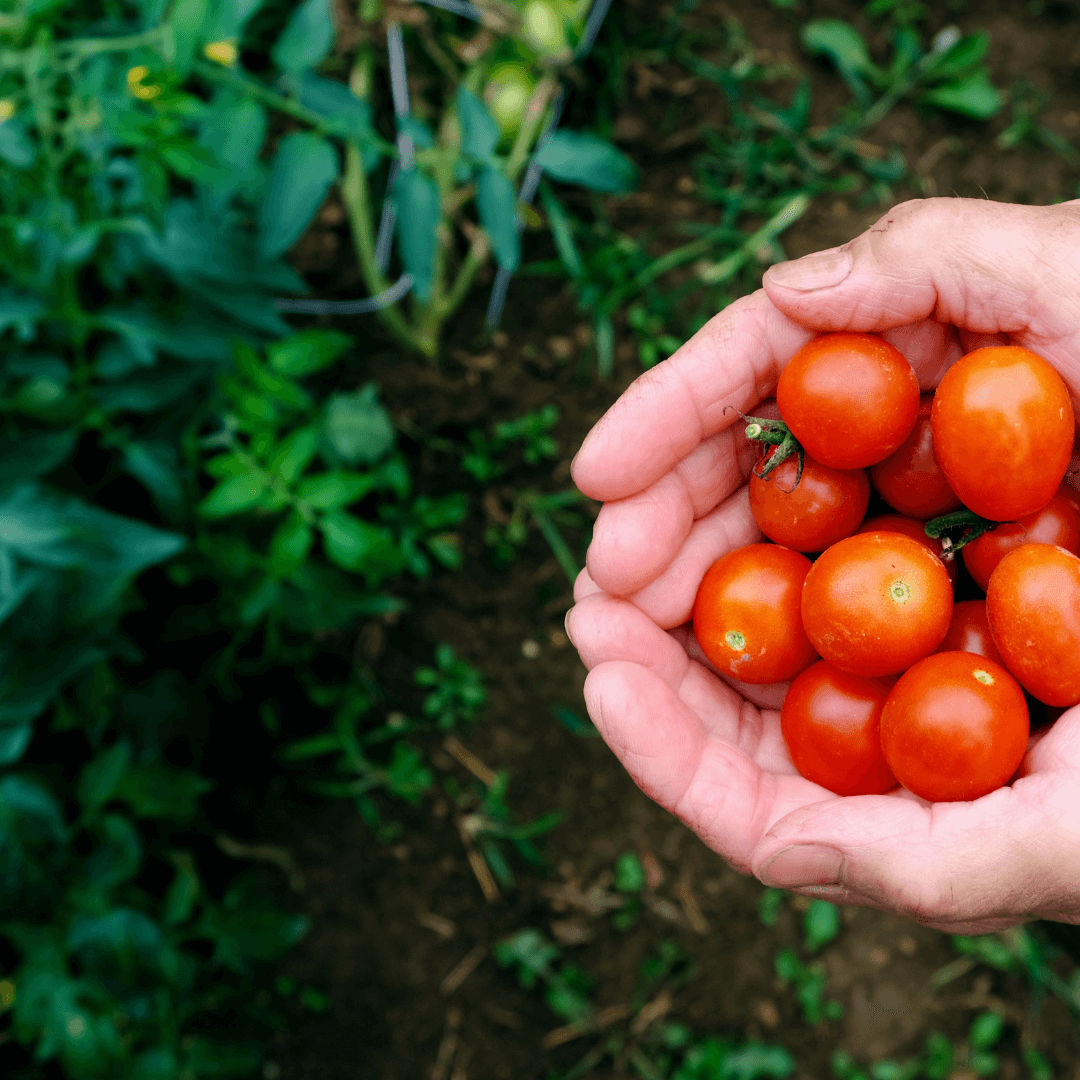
(293, 765)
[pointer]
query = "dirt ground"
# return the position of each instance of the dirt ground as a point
(392, 921)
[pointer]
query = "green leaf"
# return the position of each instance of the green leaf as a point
(841, 43)
(16, 147)
(289, 546)
(357, 427)
(579, 157)
(419, 211)
(333, 490)
(156, 464)
(562, 232)
(497, 203)
(755, 1061)
(160, 791)
(351, 542)
(821, 924)
(306, 352)
(986, 1031)
(187, 20)
(14, 739)
(179, 901)
(102, 775)
(155, 1064)
(480, 134)
(118, 857)
(345, 113)
(205, 1057)
(972, 95)
(33, 453)
(233, 496)
(629, 874)
(961, 57)
(301, 173)
(306, 39)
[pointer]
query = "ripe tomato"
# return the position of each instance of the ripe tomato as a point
(825, 506)
(969, 631)
(747, 614)
(1033, 604)
(830, 721)
(910, 479)
(1003, 431)
(875, 603)
(908, 526)
(954, 727)
(1058, 522)
(850, 399)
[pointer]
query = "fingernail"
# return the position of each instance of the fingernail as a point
(802, 865)
(821, 270)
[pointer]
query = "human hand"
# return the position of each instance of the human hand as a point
(937, 278)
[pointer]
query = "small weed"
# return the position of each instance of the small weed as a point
(810, 983)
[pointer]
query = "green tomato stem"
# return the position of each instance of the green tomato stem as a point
(774, 433)
(964, 525)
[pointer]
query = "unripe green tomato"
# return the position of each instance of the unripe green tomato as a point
(507, 93)
(543, 29)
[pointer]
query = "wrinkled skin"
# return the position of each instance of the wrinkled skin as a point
(937, 278)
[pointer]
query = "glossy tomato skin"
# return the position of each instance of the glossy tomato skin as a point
(830, 720)
(825, 506)
(747, 615)
(1033, 605)
(909, 526)
(969, 631)
(910, 479)
(875, 603)
(1003, 431)
(850, 399)
(1058, 522)
(954, 727)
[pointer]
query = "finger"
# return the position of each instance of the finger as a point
(669, 598)
(990, 268)
(584, 585)
(707, 782)
(634, 539)
(731, 363)
(964, 867)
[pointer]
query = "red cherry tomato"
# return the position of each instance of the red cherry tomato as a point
(825, 506)
(910, 479)
(1003, 431)
(954, 727)
(831, 724)
(1058, 522)
(969, 631)
(909, 526)
(1033, 605)
(875, 603)
(850, 399)
(747, 614)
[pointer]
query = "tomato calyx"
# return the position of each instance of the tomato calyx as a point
(773, 433)
(964, 525)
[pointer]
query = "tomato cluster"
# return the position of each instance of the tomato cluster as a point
(900, 670)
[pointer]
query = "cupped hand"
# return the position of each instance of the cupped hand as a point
(936, 278)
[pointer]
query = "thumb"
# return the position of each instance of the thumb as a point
(988, 268)
(962, 867)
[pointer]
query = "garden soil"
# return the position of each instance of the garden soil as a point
(391, 922)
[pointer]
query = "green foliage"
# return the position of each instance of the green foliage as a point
(531, 430)
(457, 691)
(821, 923)
(809, 982)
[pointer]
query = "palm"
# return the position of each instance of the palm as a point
(671, 466)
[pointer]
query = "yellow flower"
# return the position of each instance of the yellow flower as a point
(222, 52)
(7, 109)
(136, 85)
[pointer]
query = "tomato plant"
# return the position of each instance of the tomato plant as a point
(850, 399)
(954, 727)
(747, 614)
(1058, 522)
(910, 479)
(824, 506)
(1033, 605)
(908, 526)
(831, 724)
(969, 631)
(1003, 431)
(874, 603)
